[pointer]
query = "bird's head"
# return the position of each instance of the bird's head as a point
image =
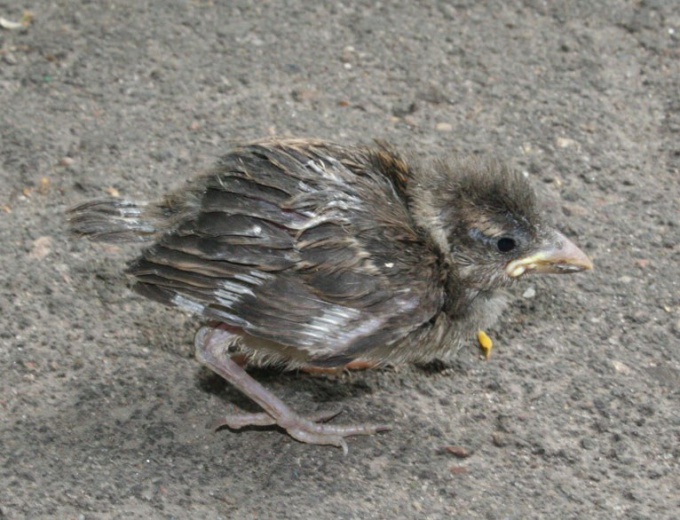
(485, 216)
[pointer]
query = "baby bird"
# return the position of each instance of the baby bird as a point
(311, 254)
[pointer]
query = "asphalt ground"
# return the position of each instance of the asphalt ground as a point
(103, 410)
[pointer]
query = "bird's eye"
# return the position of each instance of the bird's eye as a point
(506, 244)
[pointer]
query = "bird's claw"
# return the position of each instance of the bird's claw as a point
(236, 421)
(304, 429)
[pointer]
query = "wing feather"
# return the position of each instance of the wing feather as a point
(295, 245)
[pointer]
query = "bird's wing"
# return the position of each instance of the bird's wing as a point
(296, 243)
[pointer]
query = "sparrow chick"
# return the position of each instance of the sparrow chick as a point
(308, 253)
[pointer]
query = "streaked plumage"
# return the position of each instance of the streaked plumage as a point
(311, 253)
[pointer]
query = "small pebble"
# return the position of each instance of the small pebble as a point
(529, 293)
(499, 439)
(564, 142)
(304, 94)
(621, 368)
(458, 451)
(40, 248)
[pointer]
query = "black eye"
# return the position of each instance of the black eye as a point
(506, 244)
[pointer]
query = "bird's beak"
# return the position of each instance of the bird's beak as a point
(558, 255)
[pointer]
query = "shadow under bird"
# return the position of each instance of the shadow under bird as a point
(311, 254)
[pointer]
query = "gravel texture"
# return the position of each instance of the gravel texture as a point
(103, 411)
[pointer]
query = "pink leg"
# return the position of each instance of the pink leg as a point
(211, 343)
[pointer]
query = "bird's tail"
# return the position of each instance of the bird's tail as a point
(115, 220)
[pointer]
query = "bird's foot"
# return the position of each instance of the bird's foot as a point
(304, 429)
(212, 350)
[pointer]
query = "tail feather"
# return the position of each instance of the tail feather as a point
(114, 220)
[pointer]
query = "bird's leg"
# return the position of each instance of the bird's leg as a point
(211, 343)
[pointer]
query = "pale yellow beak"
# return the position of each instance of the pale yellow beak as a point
(558, 256)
